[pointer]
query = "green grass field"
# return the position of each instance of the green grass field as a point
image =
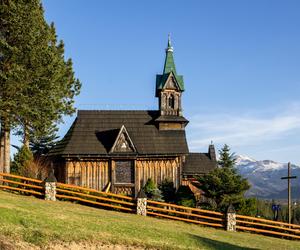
(39, 222)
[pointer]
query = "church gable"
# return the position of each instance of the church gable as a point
(123, 143)
(171, 83)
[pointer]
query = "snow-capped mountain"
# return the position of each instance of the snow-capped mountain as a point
(243, 160)
(265, 177)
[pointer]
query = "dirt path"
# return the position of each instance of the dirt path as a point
(8, 244)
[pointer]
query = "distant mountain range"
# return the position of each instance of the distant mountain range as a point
(264, 177)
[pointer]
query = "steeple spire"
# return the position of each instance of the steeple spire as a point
(169, 48)
(169, 69)
(169, 62)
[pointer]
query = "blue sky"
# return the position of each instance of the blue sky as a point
(240, 61)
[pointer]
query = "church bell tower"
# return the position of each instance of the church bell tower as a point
(169, 88)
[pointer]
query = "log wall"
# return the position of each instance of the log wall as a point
(158, 170)
(90, 174)
(98, 173)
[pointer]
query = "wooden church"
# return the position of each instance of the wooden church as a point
(118, 150)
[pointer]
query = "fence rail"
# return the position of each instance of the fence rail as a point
(62, 191)
(184, 219)
(20, 177)
(267, 232)
(20, 190)
(266, 221)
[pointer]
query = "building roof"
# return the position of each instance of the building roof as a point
(198, 163)
(171, 118)
(93, 133)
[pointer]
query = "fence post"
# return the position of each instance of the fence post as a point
(50, 187)
(141, 203)
(231, 219)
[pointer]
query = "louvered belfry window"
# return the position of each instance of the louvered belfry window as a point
(171, 102)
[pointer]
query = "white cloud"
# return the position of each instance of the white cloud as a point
(245, 129)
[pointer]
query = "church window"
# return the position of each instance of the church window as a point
(124, 172)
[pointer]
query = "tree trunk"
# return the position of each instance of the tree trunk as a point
(1, 146)
(6, 148)
(26, 135)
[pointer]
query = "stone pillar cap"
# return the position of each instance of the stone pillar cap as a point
(141, 194)
(51, 177)
(230, 209)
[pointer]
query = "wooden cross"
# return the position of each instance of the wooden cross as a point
(289, 177)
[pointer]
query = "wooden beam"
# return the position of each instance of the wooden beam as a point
(136, 178)
(113, 175)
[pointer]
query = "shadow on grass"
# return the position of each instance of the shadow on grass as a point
(218, 245)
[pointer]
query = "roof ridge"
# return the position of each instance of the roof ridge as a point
(116, 110)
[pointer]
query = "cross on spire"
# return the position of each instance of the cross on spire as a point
(169, 48)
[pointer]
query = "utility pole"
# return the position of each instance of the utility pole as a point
(289, 177)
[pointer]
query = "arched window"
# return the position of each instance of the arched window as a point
(171, 101)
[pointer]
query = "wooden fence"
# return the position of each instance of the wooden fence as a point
(187, 214)
(21, 184)
(267, 227)
(86, 196)
(83, 195)
(94, 197)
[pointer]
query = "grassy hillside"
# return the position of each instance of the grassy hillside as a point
(26, 220)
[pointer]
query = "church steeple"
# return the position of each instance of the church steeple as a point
(169, 88)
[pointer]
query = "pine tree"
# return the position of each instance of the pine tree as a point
(21, 161)
(152, 191)
(224, 185)
(42, 142)
(185, 197)
(227, 159)
(54, 78)
(37, 84)
(168, 191)
(12, 35)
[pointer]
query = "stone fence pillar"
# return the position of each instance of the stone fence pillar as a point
(50, 187)
(141, 203)
(231, 219)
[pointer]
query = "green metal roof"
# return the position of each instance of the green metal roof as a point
(169, 67)
(169, 62)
